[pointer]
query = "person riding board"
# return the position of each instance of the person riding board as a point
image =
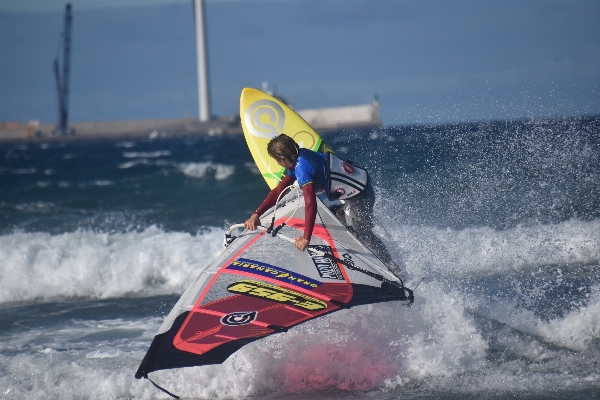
(309, 168)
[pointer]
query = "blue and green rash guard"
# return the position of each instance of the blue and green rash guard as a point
(310, 167)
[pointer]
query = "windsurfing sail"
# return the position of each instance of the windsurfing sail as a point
(261, 285)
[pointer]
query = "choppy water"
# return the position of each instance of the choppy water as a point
(99, 239)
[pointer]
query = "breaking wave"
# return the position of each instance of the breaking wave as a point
(45, 267)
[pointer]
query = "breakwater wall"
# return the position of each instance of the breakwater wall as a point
(122, 129)
(321, 119)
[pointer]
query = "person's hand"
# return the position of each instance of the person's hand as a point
(252, 222)
(301, 243)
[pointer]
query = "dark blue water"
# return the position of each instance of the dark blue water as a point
(99, 238)
(179, 184)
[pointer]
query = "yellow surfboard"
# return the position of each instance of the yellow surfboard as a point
(264, 117)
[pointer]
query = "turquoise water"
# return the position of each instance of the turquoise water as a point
(98, 239)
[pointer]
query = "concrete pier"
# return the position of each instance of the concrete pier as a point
(122, 129)
(335, 118)
(321, 119)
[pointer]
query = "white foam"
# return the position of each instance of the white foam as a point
(125, 144)
(24, 171)
(427, 250)
(133, 163)
(41, 266)
(577, 330)
(200, 169)
(446, 340)
(224, 171)
(43, 184)
(195, 170)
(147, 154)
(36, 207)
(251, 166)
(103, 183)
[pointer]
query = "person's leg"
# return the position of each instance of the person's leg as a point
(360, 220)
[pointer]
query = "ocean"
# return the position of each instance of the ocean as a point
(500, 220)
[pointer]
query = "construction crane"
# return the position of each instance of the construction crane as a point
(62, 82)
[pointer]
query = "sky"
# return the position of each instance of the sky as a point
(428, 61)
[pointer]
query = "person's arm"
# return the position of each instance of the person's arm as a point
(268, 202)
(310, 214)
(310, 209)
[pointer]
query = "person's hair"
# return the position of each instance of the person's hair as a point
(283, 146)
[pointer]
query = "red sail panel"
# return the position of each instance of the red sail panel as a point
(263, 310)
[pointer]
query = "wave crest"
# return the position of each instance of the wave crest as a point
(45, 267)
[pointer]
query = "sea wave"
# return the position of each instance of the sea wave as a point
(484, 250)
(200, 169)
(381, 348)
(147, 154)
(577, 330)
(447, 332)
(133, 163)
(43, 267)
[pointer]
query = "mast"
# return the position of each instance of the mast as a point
(201, 54)
(62, 82)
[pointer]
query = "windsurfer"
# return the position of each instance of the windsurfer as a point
(309, 168)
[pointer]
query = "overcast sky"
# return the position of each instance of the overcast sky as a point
(428, 61)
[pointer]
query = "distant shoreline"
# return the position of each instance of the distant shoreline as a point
(321, 119)
(121, 129)
(115, 130)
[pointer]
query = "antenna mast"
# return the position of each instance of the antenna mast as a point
(201, 54)
(62, 82)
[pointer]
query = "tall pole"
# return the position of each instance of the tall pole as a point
(201, 54)
(62, 82)
(66, 68)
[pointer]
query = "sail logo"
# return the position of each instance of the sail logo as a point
(269, 271)
(348, 168)
(265, 119)
(326, 267)
(341, 191)
(277, 294)
(239, 318)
